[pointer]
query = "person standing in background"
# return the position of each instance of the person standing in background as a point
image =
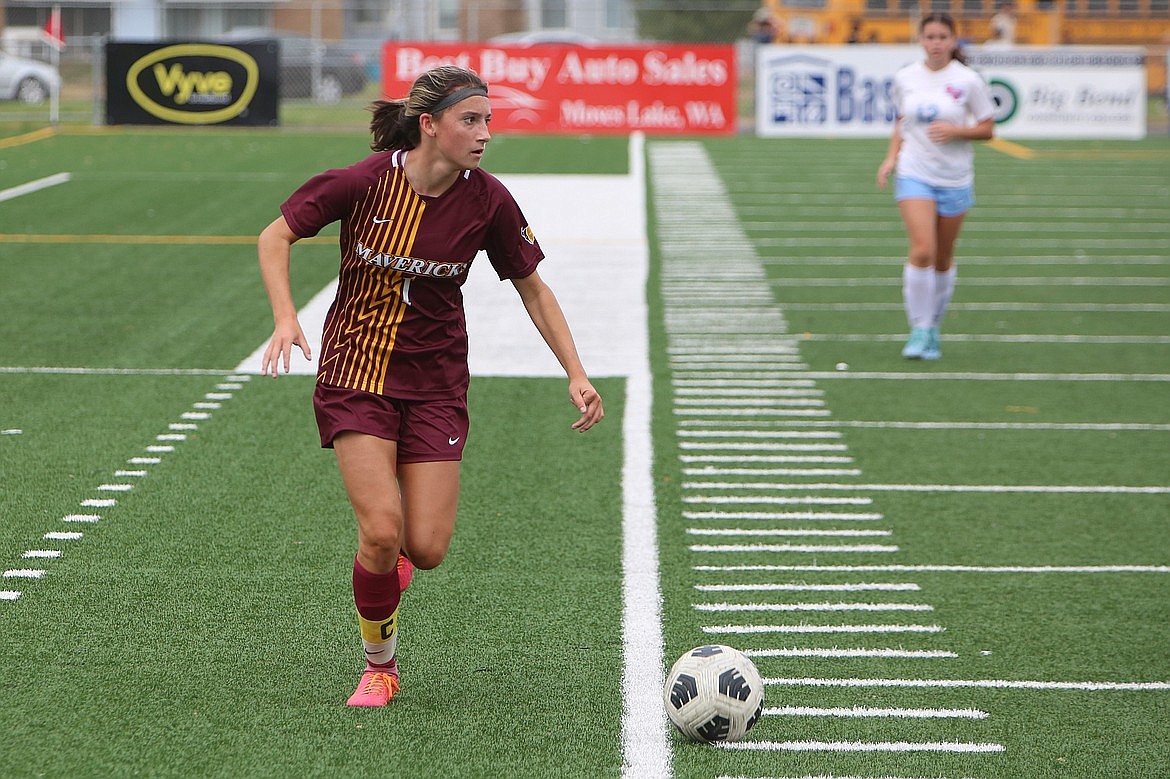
(763, 27)
(942, 107)
(1003, 26)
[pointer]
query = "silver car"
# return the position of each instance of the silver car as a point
(28, 81)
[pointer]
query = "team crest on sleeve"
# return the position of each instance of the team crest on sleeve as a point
(529, 236)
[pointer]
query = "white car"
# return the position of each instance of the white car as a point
(544, 37)
(28, 81)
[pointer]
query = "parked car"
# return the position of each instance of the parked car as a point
(544, 37)
(342, 72)
(28, 81)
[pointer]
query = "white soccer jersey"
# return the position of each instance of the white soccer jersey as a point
(955, 94)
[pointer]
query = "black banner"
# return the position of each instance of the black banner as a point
(192, 83)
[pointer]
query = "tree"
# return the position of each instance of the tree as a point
(694, 21)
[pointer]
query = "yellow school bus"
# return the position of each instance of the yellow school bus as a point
(1037, 23)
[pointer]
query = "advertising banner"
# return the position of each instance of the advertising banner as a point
(1060, 92)
(1066, 92)
(192, 83)
(670, 89)
(833, 91)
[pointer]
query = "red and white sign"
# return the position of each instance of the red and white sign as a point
(52, 33)
(672, 89)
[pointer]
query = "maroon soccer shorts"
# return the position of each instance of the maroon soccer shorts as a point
(426, 430)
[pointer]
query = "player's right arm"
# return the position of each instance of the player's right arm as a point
(275, 250)
(891, 160)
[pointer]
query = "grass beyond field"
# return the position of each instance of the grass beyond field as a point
(951, 569)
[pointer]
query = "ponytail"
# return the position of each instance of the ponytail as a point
(391, 127)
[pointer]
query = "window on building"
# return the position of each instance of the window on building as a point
(245, 17)
(180, 21)
(617, 15)
(553, 14)
(448, 14)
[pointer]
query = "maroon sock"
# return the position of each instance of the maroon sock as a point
(376, 595)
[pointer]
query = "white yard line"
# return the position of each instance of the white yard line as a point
(34, 186)
(1085, 569)
(1092, 426)
(1076, 489)
(865, 711)
(986, 684)
(860, 746)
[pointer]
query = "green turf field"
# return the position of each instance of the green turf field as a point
(951, 569)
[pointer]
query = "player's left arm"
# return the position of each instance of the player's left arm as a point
(980, 107)
(941, 132)
(546, 314)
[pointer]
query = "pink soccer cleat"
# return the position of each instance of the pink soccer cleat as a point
(376, 688)
(405, 570)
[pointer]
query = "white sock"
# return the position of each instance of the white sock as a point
(918, 295)
(944, 287)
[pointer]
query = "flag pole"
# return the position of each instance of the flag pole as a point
(55, 92)
(55, 36)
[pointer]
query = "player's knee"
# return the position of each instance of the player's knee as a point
(428, 555)
(380, 545)
(922, 256)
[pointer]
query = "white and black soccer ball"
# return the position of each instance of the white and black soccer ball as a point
(714, 693)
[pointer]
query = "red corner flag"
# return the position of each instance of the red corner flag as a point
(52, 32)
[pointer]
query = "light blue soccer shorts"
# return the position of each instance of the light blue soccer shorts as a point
(951, 201)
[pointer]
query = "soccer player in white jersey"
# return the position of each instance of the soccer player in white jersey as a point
(942, 106)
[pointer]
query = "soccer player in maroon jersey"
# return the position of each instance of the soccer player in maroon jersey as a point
(391, 394)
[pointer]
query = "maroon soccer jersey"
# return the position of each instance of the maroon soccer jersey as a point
(397, 325)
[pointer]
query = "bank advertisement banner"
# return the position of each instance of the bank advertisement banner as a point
(837, 91)
(192, 83)
(1059, 92)
(669, 89)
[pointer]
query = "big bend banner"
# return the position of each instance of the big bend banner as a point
(670, 89)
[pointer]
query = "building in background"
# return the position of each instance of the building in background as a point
(330, 20)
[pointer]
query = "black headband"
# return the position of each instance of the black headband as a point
(456, 96)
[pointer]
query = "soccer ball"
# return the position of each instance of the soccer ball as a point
(714, 693)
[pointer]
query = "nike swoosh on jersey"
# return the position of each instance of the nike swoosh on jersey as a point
(453, 441)
(378, 221)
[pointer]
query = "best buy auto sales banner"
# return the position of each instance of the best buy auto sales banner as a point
(586, 89)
